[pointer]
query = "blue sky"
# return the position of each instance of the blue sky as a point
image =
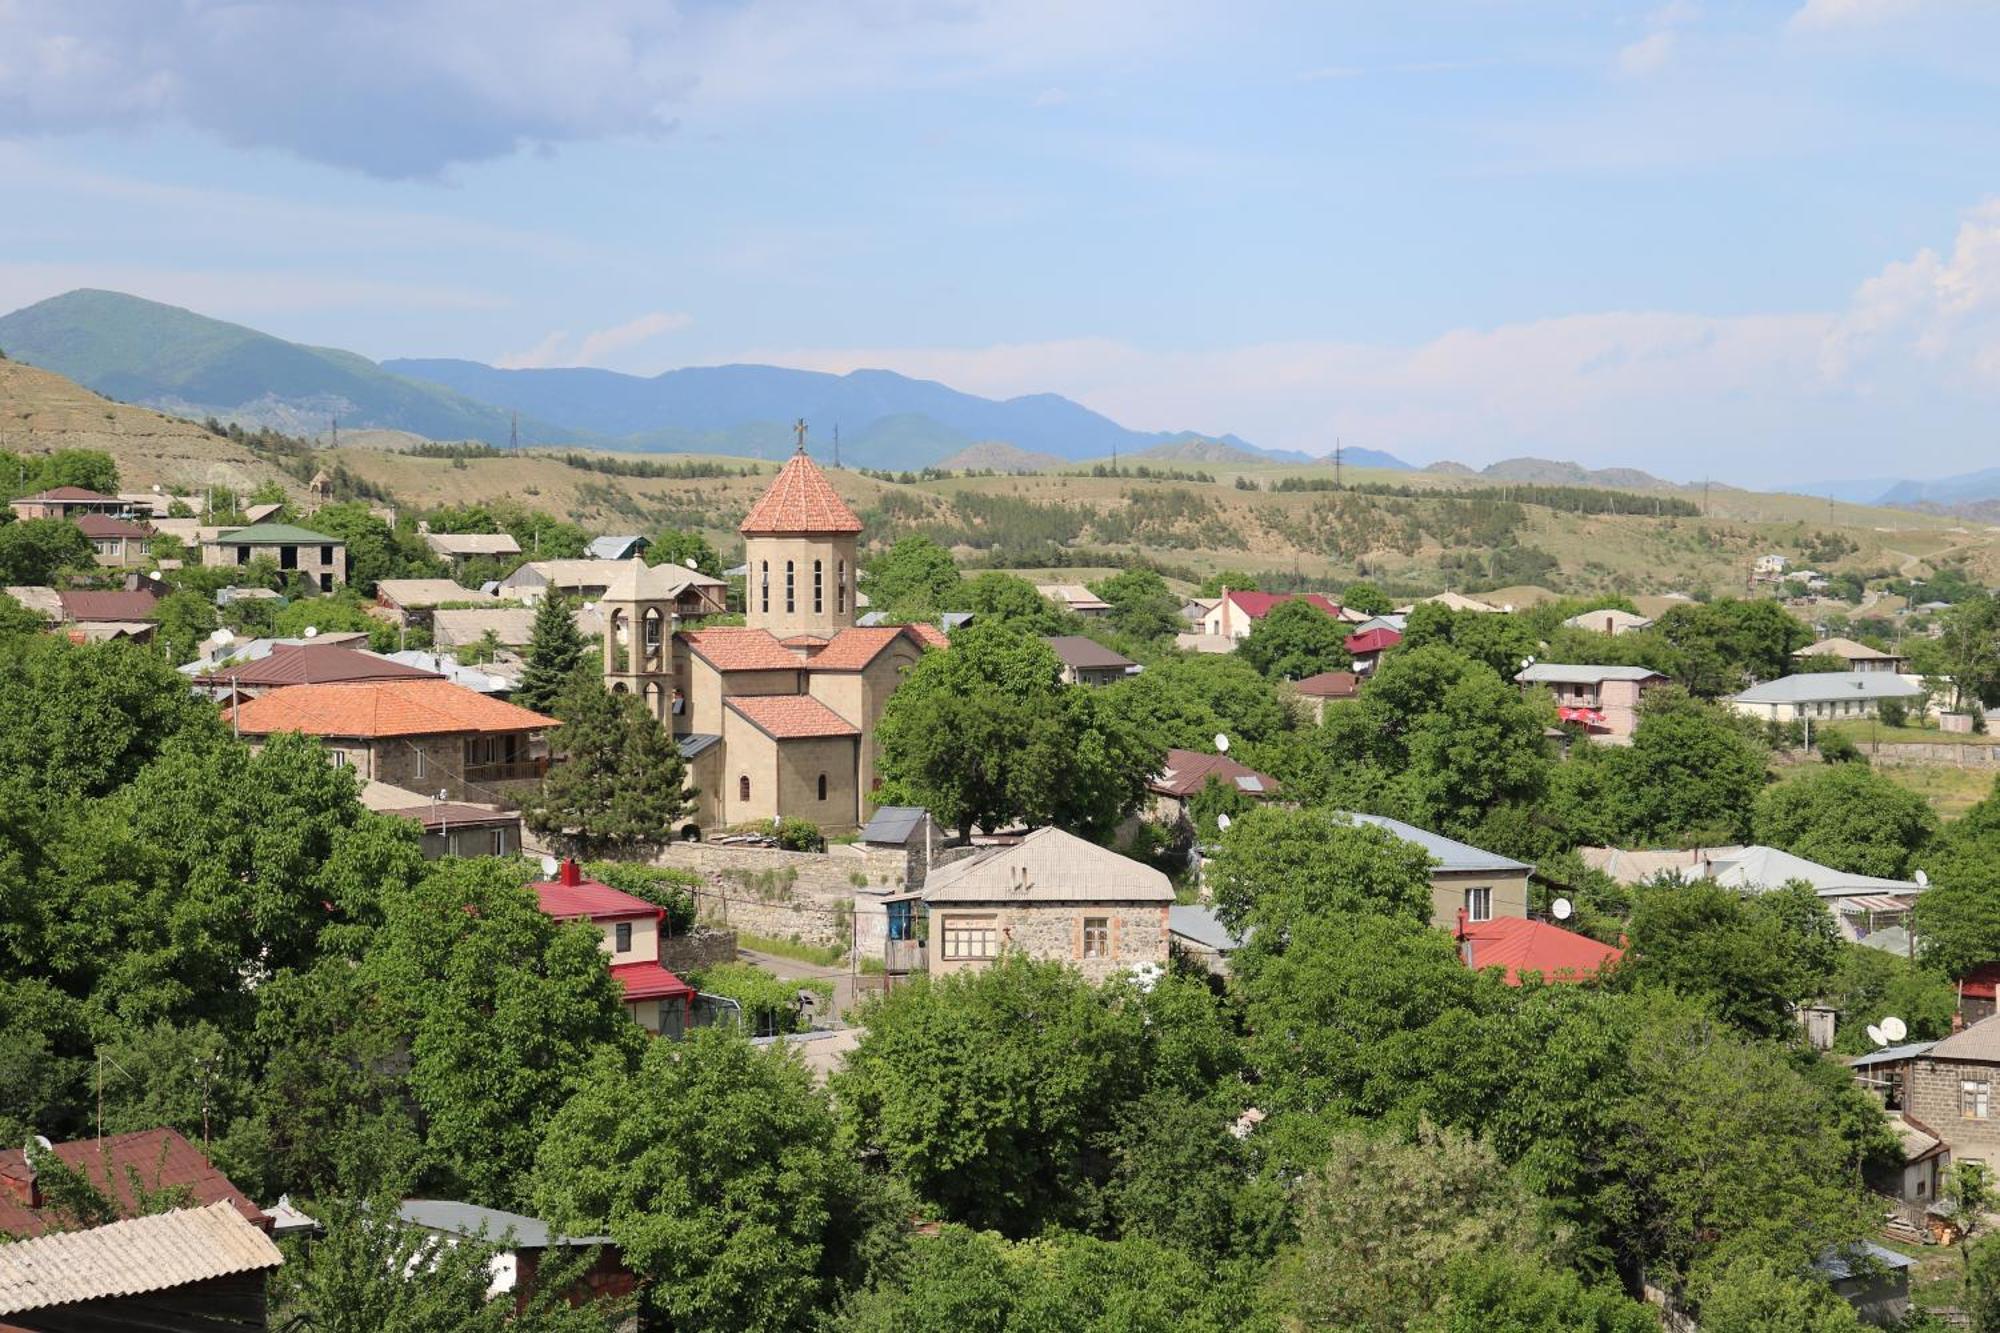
(1758, 241)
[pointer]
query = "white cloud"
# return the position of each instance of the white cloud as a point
(593, 349)
(1828, 15)
(1648, 54)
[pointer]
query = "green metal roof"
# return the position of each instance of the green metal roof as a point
(276, 534)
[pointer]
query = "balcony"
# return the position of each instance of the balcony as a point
(901, 957)
(518, 770)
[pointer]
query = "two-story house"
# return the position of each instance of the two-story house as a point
(1603, 700)
(658, 1001)
(1951, 1091)
(66, 502)
(118, 543)
(1236, 612)
(320, 558)
(1483, 885)
(1857, 656)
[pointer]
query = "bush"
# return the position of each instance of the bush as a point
(658, 885)
(1837, 747)
(770, 1004)
(1893, 713)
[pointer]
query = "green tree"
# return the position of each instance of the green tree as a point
(375, 550)
(1510, 1293)
(18, 619)
(1235, 580)
(1750, 958)
(679, 546)
(1366, 598)
(1183, 701)
(618, 788)
(1500, 640)
(1848, 817)
(33, 550)
(1142, 606)
(1958, 917)
(1982, 1285)
(184, 619)
(997, 597)
(717, 1169)
(1763, 1296)
(1278, 867)
(1725, 644)
(912, 580)
(1294, 640)
(1870, 985)
(1969, 651)
(555, 653)
(1690, 776)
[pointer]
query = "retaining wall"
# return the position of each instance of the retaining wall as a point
(807, 896)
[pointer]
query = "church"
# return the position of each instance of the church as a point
(776, 717)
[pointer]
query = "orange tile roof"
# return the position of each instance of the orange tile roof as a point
(790, 717)
(739, 649)
(800, 499)
(854, 648)
(379, 708)
(932, 636)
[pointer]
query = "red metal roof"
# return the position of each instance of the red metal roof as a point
(160, 1157)
(739, 649)
(85, 604)
(800, 499)
(1257, 605)
(1982, 982)
(377, 708)
(1373, 641)
(74, 494)
(103, 525)
(1330, 685)
(1188, 771)
(314, 664)
(570, 899)
(791, 717)
(649, 981)
(1533, 946)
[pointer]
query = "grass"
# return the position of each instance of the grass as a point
(820, 955)
(1862, 733)
(1950, 788)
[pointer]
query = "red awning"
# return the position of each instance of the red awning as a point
(1588, 716)
(649, 981)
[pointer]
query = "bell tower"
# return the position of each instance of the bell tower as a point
(638, 610)
(799, 544)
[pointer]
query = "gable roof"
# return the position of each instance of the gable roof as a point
(895, 824)
(472, 543)
(638, 581)
(790, 717)
(1611, 616)
(131, 1258)
(854, 648)
(1761, 867)
(513, 626)
(161, 1157)
(1330, 685)
(1373, 641)
(412, 594)
(1085, 654)
(1047, 866)
(1257, 605)
(590, 898)
(114, 604)
(800, 499)
(103, 525)
(1188, 771)
(1073, 595)
(564, 574)
(617, 546)
(1847, 649)
(313, 664)
(1829, 686)
(274, 534)
(74, 494)
(739, 649)
(453, 1218)
(377, 709)
(1533, 946)
(930, 635)
(1980, 1042)
(1449, 852)
(1560, 673)
(1200, 926)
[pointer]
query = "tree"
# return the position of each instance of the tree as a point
(1969, 644)
(1295, 639)
(1000, 598)
(1235, 580)
(716, 1168)
(1142, 606)
(1522, 1294)
(1848, 817)
(1725, 644)
(1366, 598)
(1183, 700)
(1968, 1192)
(913, 579)
(184, 618)
(1762, 1296)
(1277, 867)
(555, 653)
(375, 550)
(1982, 1285)
(987, 734)
(1751, 959)
(1501, 640)
(33, 550)
(1958, 917)
(18, 619)
(690, 550)
(1690, 776)
(619, 786)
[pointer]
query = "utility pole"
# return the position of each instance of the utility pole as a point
(1704, 497)
(1337, 485)
(514, 431)
(334, 422)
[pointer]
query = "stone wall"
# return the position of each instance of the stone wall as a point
(1935, 1100)
(1920, 752)
(707, 947)
(807, 896)
(1054, 931)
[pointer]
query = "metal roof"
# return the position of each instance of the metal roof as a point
(696, 742)
(1840, 1262)
(130, 1258)
(1980, 1042)
(1449, 853)
(1889, 1055)
(1082, 654)
(1554, 673)
(1829, 686)
(470, 1220)
(616, 547)
(1200, 926)
(894, 824)
(1761, 867)
(274, 534)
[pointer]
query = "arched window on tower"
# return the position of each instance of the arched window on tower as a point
(840, 586)
(743, 788)
(791, 600)
(766, 586)
(819, 599)
(654, 624)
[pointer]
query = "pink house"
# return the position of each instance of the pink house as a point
(1603, 700)
(658, 1001)
(1235, 612)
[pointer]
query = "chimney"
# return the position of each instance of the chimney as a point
(570, 873)
(1464, 942)
(26, 1188)
(1958, 1020)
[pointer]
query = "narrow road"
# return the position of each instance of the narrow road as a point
(791, 969)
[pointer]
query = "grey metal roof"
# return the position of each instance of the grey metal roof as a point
(951, 620)
(1449, 853)
(1889, 1055)
(132, 1257)
(1839, 1262)
(1199, 925)
(469, 1219)
(1761, 867)
(1557, 673)
(1830, 686)
(696, 742)
(616, 547)
(1980, 1042)
(894, 824)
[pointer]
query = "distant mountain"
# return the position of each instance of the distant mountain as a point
(1547, 472)
(991, 457)
(140, 351)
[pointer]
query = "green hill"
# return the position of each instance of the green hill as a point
(144, 352)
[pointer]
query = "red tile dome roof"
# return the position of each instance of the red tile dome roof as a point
(800, 499)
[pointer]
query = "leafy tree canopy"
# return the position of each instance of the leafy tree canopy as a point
(621, 788)
(914, 579)
(1848, 817)
(1294, 640)
(34, 550)
(1142, 606)
(678, 546)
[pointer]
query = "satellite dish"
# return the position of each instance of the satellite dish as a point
(1923, 880)
(691, 563)
(312, 631)
(1560, 909)
(1221, 743)
(1223, 822)
(1894, 1028)
(1877, 1035)
(445, 795)
(1527, 662)
(550, 866)
(223, 636)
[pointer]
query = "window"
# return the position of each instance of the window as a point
(338, 758)
(743, 788)
(1973, 1098)
(791, 601)
(242, 555)
(1097, 937)
(840, 585)
(326, 555)
(423, 763)
(1479, 904)
(499, 842)
(970, 937)
(822, 786)
(325, 582)
(819, 603)
(764, 597)
(622, 937)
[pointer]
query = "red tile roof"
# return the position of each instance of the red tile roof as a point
(103, 525)
(649, 981)
(1188, 771)
(790, 717)
(739, 649)
(590, 898)
(800, 499)
(932, 636)
(313, 664)
(161, 1157)
(854, 648)
(1330, 685)
(114, 605)
(1373, 641)
(1257, 605)
(373, 709)
(1533, 946)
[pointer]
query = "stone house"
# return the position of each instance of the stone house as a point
(450, 828)
(630, 931)
(1088, 662)
(1483, 885)
(322, 559)
(408, 602)
(1603, 700)
(1951, 1092)
(307, 663)
(1052, 896)
(424, 736)
(459, 547)
(1188, 771)
(118, 543)
(691, 592)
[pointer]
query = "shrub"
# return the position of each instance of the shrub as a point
(1893, 713)
(1837, 747)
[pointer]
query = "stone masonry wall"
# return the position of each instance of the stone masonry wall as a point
(1934, 1099)
(806, 896)
(707, 947)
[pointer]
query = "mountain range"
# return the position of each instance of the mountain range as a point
(1947, 493)
(179, 361)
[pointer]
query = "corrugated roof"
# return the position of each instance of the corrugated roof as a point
(1373, 641)
(800, 499)
(790, 717)
(589, 898)
(1521, 946)
(619, 546)
(1611, 616)
(1449, 853)
(1048, 865)
(568, 575)
(1188, 771)
(1257, 605)
(1980, 1042)
(1889, 1055)
(513, 626)
(1841, 1261)
(740, 649)
(421, 593)
(274, 534)
(132, 1257)
(72, 493)
(695, 743)
(372, 709)
(1073, 595)
(116, 604)
(1199, 926)
(160, 1157)
(1830, 686)
(313, 664)
(647, 980)
(1561, 673)
(472, 543)
(103, 525)
(1761, 867)
(1330, 685)
(1084, 654)
(1847, 649)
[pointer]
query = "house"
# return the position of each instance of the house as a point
(1074, 598)
(409, 602)
(1603, 700)
(1610, 620)
(1052, 895)
(1390, 621)
(1951, 1089)
(1088, 662)
(308, 663)
(1188, 771)
(1519, 946)
(119, 543)
(1454, 601)
(630, 927)
(1194, 933)
(522, 1243)
(178, 1271)
(1327, 687)
(1859, 903)
(112, 613)
(1770, 568)
(421, 735)
(1195, 609)
(1858, 656)
(692, 592)
(321, 559)
(1483, 885)
(482, 679)
(1367, 647)
(777, 716)
(1825, 696)
(459, 547)
(450, 828)
(121, 1167)
(66, 502)
(510, 626)
(1977, 992)
(1235, 613)
(624, 546)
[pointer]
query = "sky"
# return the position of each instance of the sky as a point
(1753, 241)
